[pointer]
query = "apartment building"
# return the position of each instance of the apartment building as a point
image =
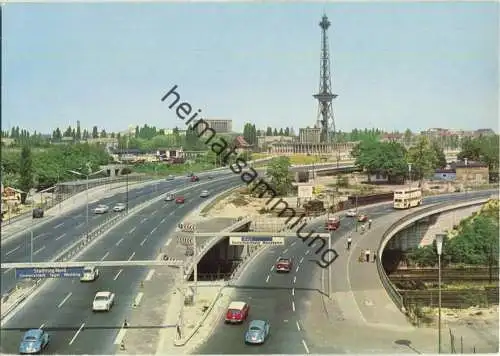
(219, 125)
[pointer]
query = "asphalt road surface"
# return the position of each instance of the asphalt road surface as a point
(51, 238)
(63, 306)
(284, 299)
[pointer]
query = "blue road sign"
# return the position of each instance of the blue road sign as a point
(65, 272)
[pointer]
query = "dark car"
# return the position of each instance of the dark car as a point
(284, 265)
(195, 179)
(34, 341)
(37, 213)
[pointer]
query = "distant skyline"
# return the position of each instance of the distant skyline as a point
(394, 65)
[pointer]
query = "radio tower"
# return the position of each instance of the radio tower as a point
(325, 96)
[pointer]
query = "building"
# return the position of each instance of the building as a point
(241, 144)
(310, 135)
(472, 172)
(264, 142)
(219, 126)
(445, 174)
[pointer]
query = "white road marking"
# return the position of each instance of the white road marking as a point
(131, 256)
(105, 255)
(307, 252)
(305, 346)
(7, 271)
(58, 226)
(41, 326)
(64, 300)
(13, 250)
(162, 220)
(137, 299)
(301, 260)
(38, 236)
(60, 237)
(79, 225)
(131, 230)
(76, 334)
(293, 306)
(168, 242)
(120, 336)
(143, 241)
(285, 251)
(119, 242)
(117, 275)
(272, 268)
(267, 279)
(144, 220)
(293, 243)
(152, 231)
(278, 258)
(298, 325)
(293, 291)
(294, 279)
(297, 269)
(39, 250)
(150, 275)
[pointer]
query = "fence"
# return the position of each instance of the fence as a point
(447, 274)
(453, 299)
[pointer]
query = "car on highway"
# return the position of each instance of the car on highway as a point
(332, 224)
(37, 213)
(352, 213)
(362, 218)
(195, 179)
(257, 332)
(90, 274)
(169, 197)
(119, 207)
(204, 193)
(34, 341)
(179, 200)
(103, 301)
(101, 209)
(170, 177)
(284, 265)
(237, 312)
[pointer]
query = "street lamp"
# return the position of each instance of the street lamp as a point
(439, 247)
(87, 193)
(466, 175)
(409, 174)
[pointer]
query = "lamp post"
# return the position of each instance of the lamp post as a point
(439, 247)
(466, 175)
(86, 193)
(409, 174)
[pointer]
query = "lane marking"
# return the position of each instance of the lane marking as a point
(105, 255)
(297, 269)
(7, 271)
(285, 251)
(294, 279)
(144, 220)
(168, 242)
(293, 306)
(120, 336)
(131, 256)
(58, 226)
(305, 346)
(39, 250)
(13, 250)
(301, 260)
(76, 334)
(267, 279)
(143, 241)
(132, 230)
(137, 299)
(64, 300)
(79, 225)
(162, 220)
(293, 291)
(278, 258)
(298, 325)
(41, 326)
(38, 236)
(60, 237)
(119, 242)
(307, 252)
(272, 268)
(152, 231)
(150, 275)
(117, 275)
(293, 243)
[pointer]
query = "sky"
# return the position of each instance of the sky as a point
(394, 65)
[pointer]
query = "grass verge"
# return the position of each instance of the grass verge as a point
(210, 206)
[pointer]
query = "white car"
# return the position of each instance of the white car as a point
(90, 274)
(204, 194)
(351, 213)
(103, 301)
(101, 209)
(119, 207)
(169, 197)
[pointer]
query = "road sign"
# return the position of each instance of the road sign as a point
(305, 191)
(65, 272)
(185, 240)
(242, 241)
(186, 227)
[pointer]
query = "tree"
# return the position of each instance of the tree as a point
(423, 158)
(440, 156)
(68, 132)
(408, 137)
(278, 174)
(103, 134)
(26, 172)
(95, 132)
(78, 133)
(269, 131)
(484, 149)
(275, 132)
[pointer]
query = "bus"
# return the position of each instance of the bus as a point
(409, 198)
(332, 224)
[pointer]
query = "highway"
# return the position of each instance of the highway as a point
(291, 302)
(52, 237)
(63, 306)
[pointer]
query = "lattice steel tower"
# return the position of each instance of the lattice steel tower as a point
(326, 120)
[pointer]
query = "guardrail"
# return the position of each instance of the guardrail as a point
(401, 224)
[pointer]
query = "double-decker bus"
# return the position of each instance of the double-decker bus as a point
(332, 224)
(408, 198)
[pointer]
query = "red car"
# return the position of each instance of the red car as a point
(362, 218)
(195, 179)
(284, 265)
(179, 200)
(237, 312)
(332, 224)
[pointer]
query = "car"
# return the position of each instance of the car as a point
(258, 332)
(101, 209)
(119, 207)
(37, 213)
(34, 341)
(362, 218)
(204, 194)
(195, 179)
(170, 177)
(103, 301)
(351, 213)
(237, 312)
(169, 197)
(90, 274)
(179, 200)
(332, 224)
(284, 265)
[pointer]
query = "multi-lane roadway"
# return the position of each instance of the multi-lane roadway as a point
(291, 301)
(63, 306)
